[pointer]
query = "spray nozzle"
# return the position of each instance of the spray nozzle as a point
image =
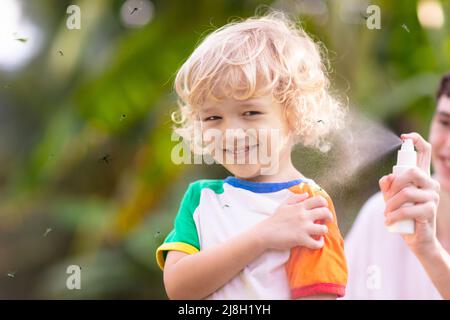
(407, 156)
(407, 145)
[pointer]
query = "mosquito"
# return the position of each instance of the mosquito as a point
(47, 231)
(404, 26)
(105, 158)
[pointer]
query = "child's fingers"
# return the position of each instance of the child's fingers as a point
(313, 243)
(296, 198)
(314, 202)
(322, 214)
(423, 150)
(318, 230)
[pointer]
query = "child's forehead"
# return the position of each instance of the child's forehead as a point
(260, 101)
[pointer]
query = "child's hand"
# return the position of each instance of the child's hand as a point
(293, 225)
(414, 186)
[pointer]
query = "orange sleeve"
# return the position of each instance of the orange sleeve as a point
(321, 271)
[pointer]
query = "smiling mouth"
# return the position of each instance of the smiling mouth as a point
(242, 150)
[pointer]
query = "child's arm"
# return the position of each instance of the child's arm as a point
(195, 276)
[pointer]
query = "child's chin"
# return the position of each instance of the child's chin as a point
(245, 171)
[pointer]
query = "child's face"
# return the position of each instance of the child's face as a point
(440, 141)
(248, 137)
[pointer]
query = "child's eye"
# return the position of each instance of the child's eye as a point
(211, 118)
(251, 113)
(444, 123)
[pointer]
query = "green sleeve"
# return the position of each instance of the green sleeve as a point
(184, 236)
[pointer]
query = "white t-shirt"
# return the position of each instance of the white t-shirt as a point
(213, 211)
(380, 264)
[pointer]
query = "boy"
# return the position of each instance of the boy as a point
(254, 89)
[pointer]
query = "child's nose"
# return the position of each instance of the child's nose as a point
(234, 123)
(237, 133)
(233, 135)
(234, 128)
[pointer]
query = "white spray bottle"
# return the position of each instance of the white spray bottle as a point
(406, 158)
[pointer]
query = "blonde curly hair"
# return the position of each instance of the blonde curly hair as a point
(261, 55)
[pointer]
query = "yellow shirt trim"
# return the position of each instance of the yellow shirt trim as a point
(178, 246)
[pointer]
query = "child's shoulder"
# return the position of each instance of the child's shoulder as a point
(193, 195)
(309, 186)
(198, 185)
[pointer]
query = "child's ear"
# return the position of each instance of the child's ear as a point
(289, 125)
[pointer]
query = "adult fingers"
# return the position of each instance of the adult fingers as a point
(413, 176)
(410, 195)
(385, 183)
(423, 150)
(420, 212)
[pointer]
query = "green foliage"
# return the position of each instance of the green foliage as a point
(87, 153)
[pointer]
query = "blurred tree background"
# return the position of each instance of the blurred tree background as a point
(85, 132)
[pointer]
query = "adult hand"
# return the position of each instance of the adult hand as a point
(420, 192)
